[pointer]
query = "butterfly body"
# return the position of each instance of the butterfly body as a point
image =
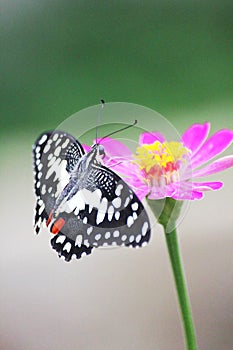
(84, 203)
(79, 177)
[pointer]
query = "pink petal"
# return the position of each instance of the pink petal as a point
(185, 191)
(218, 165)
(194, 137)
(216, 144)
(206, 186)
(141, 191)
(120, 165)
(193, 190)
(86, 147)
(114, 148)
(150, 137)
(158, 193)
(188, 195)
(179, 191)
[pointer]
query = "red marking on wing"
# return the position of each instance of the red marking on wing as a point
(57, 226)
(50, 218)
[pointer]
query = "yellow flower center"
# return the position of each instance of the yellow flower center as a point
(160, 162)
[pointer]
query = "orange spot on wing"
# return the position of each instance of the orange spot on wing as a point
(50, 218)
(57, 226)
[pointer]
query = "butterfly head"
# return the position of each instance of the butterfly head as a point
(98, 150)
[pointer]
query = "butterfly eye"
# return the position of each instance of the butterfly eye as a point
(101, 150)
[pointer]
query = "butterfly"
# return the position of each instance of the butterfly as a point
(84, 204)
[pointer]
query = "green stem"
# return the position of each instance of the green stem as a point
(167, 212)
(178, 273)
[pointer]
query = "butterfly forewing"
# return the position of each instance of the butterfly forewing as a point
(52, 165)
(101, 209)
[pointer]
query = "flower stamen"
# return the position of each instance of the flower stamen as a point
(160, 162)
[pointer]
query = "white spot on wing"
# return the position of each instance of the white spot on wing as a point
(117, 202)
(47, 148)
(117, 215)
(116, 233)
(118, 190)
(79, 240)
(67, 247)
(62, 174)
(86, 243)
(51, 162)
(131, 238)
(60, 239)
(123, 238)
(89, 230)
(43, 139)
(130, 221)
(57, 151)
(110, 212)
(43, 189)
(134, 206)
(107, 235)
(76, 202)
(65, 144)
(37, 150)
(144, 228)
(126, 202)
(92, 198)
(98, 236)
(40, 211)
(57, 142)
(55, 137)
(53, 168)
(102, 211)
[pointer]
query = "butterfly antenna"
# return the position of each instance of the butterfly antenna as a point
(114, 132)
(98, 118)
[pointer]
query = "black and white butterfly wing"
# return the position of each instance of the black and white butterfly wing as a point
(103, 212)
(55, 154)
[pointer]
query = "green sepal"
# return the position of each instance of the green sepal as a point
(166, 211)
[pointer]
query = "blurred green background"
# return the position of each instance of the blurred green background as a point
(58, 57)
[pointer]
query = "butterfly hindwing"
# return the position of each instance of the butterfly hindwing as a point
(65, 247)
(104, 212)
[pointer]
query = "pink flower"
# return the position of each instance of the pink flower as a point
(162, 169)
